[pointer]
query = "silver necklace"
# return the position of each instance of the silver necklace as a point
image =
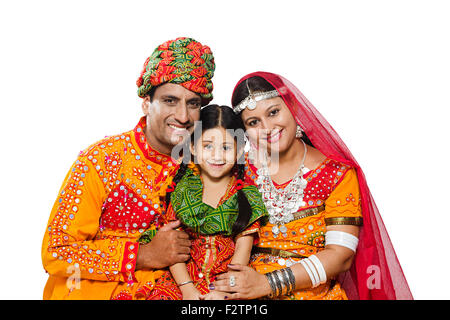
(281, 204)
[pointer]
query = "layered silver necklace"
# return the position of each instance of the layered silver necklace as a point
(282, 203)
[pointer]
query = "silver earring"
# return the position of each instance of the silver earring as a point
(298, 132)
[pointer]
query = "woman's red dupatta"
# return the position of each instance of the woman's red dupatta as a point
(376, 273)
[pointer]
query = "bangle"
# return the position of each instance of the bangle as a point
(291, 277)
(310, 274)
(282, 282)
(284, 286)
(341, 238)
(287, 282)
(278, 283)
(314, 272)
(272, 285)
(186, 282)
(318, 265)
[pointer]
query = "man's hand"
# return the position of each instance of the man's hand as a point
(169, 246)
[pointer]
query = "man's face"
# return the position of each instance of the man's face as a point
(170, 116)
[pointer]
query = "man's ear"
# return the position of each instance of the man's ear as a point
(146, 105)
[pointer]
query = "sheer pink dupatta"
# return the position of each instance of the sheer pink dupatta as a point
(376, 273)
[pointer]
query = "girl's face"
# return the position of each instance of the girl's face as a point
(270, 125)
(216, 152)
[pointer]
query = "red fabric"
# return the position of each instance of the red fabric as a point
(375, 256)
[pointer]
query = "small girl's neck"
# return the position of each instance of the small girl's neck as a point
(215, 182)
(214, 189)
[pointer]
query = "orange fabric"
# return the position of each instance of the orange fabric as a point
(108, 198)
(332, 184)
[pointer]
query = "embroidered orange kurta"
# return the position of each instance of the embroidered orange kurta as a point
(333, 186)
(109, 197)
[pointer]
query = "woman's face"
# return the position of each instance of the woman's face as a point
(215, 152)
(270, 125)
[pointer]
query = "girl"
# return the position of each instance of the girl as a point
(221, 214)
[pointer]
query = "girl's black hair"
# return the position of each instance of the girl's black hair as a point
(215, 116)
(256, 84)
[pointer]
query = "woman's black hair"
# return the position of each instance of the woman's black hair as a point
(215, 116)
(256, 84)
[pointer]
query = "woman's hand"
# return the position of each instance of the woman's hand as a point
(249, 284)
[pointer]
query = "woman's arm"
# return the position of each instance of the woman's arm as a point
(251, 285)
(335, 259)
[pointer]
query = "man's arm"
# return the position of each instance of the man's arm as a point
(73, 224)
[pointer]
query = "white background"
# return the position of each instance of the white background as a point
(377, 70)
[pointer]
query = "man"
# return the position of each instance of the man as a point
(111, 196)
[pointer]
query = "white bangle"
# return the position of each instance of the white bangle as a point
(341, 238)
(319, 267)
(311, 273)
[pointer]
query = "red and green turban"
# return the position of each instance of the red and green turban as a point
(181, 61)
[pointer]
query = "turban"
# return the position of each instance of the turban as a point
(182, 61)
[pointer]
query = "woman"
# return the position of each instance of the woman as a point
(325, 239)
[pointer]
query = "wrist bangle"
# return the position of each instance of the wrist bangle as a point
(286, 281)
(318, 265)
(273, 287)
(186, 282)
(280, 281)
(291, 278)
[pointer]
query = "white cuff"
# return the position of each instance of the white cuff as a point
(341, 238)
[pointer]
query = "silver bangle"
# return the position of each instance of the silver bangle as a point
(278, 283)
(291, 277)
(287, 283)
(273, 287)
(281, 281)
(186, 282)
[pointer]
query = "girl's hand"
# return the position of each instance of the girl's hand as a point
(249, 284)
(191, 293)
(215, 295)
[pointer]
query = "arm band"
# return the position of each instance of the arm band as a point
(341, 238)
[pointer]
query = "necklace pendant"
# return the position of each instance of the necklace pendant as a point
(275, 229)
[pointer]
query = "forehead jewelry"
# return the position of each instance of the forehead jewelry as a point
(252, 98)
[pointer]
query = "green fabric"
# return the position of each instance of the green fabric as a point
(147, 236)
(187, 202)
(182, 61)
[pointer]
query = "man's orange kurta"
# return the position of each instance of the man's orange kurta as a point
(109, 197)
